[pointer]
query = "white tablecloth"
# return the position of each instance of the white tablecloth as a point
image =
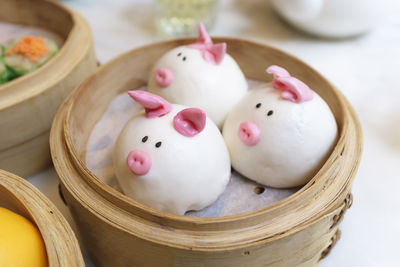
(365, 69)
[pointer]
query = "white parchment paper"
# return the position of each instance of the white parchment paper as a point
(241, 195)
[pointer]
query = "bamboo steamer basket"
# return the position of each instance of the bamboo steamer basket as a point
(29, 103)
(21, 197)
(118, 231)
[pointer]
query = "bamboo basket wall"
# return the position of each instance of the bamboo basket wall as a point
(118, 231)
(29, 103)
(21, 197)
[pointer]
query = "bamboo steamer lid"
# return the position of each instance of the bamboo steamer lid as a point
(297, 231)
(29, 103)
(21, 197)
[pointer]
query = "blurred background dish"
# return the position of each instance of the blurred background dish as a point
(330, 18)
(180, 17)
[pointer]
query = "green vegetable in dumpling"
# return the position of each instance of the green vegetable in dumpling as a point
(5, 73)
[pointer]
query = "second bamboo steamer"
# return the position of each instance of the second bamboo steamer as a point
(29, 103)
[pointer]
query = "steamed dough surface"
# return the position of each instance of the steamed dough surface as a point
(295, 140)
(197, 83)
(187, 173)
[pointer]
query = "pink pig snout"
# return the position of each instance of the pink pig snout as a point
(249, 133)
(139, 162)
(164, 77)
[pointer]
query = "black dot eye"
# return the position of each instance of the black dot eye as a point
(270, 113)
(258, 105)
(144, 139)
(158, 144)
(184, 58)
(179, 54)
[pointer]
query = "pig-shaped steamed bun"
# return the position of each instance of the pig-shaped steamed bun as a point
(171, 157)
(199, 75)
(280, 134)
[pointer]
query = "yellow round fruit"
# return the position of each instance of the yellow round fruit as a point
(21, 244)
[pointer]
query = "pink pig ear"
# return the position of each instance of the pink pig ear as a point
(219, 51)
(277, 71)
(190, 121)
(212, 53)
(204, 37)
(294, 90)
(154, 105)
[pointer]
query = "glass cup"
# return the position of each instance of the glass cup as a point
(180, 17)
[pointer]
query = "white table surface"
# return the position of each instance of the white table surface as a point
(365, 69)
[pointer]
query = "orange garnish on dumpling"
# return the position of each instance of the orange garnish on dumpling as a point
(30, 47)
